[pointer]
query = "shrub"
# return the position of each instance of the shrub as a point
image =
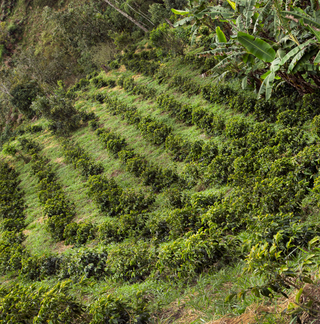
(118, 310)
(79, 233)
(195, 151)
(114, 200)
(265, 110)
(316, 125)
(131, 262)
(191, 174)
(59, 110)
(40, 267)
(108, 232)
(220, 168)
(288, 118)
(178, 147)
(237, 128)
(294, 139)
(26, 304)
(22, 96)
(192, 253)
(89, 263)
(181, 221)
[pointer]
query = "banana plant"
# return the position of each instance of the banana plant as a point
(201, 14)
(264, 42)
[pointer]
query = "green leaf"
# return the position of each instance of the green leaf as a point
(244, 82)
(307, 280)
(295, 51)
(267, 85)
(305, 58)
(180, 12)
(292, 306)
(249, 11)
(295, 60)
(307, 19)
(183, 21)
(230, 297)
(266, 292)
(257, 47)
(315, 239)
(220, 35)
(314, 32)
(232, 4)
(298, 295)
(219, 11)
(256, 292)
(263, 76)
(222, 50)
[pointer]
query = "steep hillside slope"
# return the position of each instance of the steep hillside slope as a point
(168, 196)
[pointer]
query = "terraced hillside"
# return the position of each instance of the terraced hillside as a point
(172, 201)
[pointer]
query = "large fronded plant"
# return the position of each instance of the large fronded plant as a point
(261, 43)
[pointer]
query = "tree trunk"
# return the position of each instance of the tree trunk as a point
(127, 16)
(297, 81)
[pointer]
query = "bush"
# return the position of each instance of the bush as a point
(237, 128)
(192, 253)
(22, 96)
(131, 262)
(113, 200)
(46, 305)
(79, 233)
(89, 263)
(117, 310)
(184, 220)
(169, 40)
(191, 174)
(40, 267)
(59, 110)
(177, 198)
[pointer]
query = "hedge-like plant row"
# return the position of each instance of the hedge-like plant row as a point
(12, 215)
(151, 129)
(157, 133)
(30, 304)
(56, 206)
(243, 139)
(109, 196)
(147, 62)
(151, 174)
(285, 107)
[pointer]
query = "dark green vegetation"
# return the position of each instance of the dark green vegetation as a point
(146, 192)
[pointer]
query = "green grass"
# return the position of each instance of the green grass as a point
(197, 300)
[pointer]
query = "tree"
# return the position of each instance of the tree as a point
(137, 23)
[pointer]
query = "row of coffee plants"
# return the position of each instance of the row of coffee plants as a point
(157, 132)
(12, 206)
(56, 206)
(144, 62)
(285, 107)
(109, 196)
(151, 174)
(147, 62)
(31, 304)
(55, 304)
(151, 129)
